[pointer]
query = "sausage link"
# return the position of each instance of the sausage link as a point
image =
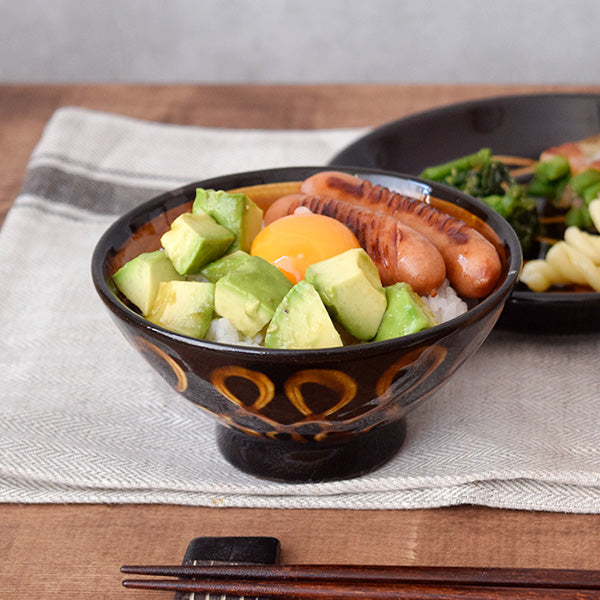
(472, 263)
(399, 252)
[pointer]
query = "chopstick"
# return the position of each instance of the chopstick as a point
(345, 582)
(363, 591)
(564, 578)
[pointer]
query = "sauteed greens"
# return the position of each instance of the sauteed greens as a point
(484, 177)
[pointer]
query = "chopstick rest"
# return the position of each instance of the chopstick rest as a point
(229, 551)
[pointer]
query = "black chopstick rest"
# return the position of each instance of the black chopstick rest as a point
(230, 550)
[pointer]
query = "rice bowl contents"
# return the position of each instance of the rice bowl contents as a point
(446, 305)
(332, 295)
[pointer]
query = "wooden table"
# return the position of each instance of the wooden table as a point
(74, 551)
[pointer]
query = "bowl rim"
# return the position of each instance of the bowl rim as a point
(419, 339)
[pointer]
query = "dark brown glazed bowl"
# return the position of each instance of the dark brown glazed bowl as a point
(304, 415)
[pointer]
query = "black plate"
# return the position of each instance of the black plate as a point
(513, 125)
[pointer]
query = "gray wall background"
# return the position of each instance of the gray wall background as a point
(296, 41)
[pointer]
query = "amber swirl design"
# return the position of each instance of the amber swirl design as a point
(419, 365)
(430, 358)
(341, 384)
(265, 387)
(144, 345)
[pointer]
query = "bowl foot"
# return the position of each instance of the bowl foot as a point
(308, 462)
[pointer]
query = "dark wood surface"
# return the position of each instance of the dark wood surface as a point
(75, 551)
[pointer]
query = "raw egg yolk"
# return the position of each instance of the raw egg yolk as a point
(295, 242)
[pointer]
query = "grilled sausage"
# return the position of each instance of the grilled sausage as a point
(399, 252)
(472, 263)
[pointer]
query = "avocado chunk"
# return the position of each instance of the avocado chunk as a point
(406, 313)
(235, 211)
(301, 321)
(249, 295)
(185, 307)
(351, 289)
(138, 279)
(193, 241)
(220, 267)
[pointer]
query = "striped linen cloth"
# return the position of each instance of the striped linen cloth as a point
(84, 418)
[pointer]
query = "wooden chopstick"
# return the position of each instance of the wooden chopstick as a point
(378, 582)
(562, 578)
(322, 590)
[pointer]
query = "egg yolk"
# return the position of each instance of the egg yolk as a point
(295, 242)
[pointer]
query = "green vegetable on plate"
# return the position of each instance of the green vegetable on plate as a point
(482, 176)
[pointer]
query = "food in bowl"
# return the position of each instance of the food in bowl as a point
(340, 261)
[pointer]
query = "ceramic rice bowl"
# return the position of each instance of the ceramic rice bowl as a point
(304, 415)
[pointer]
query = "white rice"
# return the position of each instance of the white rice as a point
(221, 330)
(446, 304)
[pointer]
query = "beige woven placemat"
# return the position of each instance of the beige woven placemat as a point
(84, 419)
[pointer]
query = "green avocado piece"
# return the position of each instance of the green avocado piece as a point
(351, 289)
(185, 307)
(220, 267)
(406, 313)
(235, 211)
(249, 295)
(301, 321)
(194, 240)
(139, 278)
